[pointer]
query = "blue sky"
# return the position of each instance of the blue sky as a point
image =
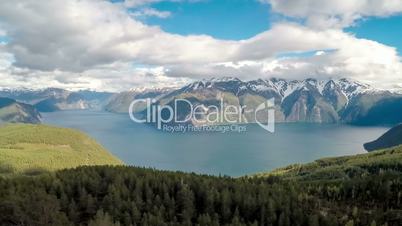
(385, 30)
(223, 19)
(242, 19)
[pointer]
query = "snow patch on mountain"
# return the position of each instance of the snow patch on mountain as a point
(348, 87)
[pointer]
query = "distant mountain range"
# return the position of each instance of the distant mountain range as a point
(13, 111)
(53, 99)
(309, 100)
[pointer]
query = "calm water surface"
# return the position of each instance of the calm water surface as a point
(233, 154)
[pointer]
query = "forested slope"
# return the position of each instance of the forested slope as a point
(104, 195)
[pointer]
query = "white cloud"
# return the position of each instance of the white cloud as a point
(146, 12)
(320, 53)
(335, 13)
(361, 59)
(99, 45)
(78, 35)
(137, 3)
(113, 77)
(2, 32)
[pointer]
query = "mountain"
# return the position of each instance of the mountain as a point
(309, 103)
(309, 100)
(120, 102)
(13, 111)
(391, 138)
(231, 91)
(380, 108)
(31, 96)
(54, 99)
(25, 148)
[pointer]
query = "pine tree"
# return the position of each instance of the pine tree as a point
(313, 220)
(185, 203)
(102, 219)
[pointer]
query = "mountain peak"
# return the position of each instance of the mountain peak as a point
(330, 85)
(354, 81)
(148, 89)
(311, 80)
(225, 79)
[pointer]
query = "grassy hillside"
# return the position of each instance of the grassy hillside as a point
(343, 167)
(29, 148)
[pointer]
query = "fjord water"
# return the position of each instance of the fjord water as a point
(233, 154)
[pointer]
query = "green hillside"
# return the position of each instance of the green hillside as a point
(343, 167)
(30, 148)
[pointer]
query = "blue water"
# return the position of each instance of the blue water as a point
(233, 154)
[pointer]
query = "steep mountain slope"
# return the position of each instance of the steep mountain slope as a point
(70, 101)
(222, 93)
(333, 94)
(26, 148)
(391, 138)
(13, 111)
(374, 109)
(120, 102)
(53, 99)
(308, 105)
(310, 100)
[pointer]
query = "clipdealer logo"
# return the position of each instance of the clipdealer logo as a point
(264, 113)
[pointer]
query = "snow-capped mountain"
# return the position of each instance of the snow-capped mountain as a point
(282, 88)
(309, 100)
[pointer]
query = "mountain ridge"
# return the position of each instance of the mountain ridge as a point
(391, 138)
(309, 100)
(56, 99)
(12, 111)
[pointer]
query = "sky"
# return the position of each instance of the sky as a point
(222, 19)
(116, 45)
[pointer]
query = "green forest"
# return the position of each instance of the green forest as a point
(364, 189)
(120, 195)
